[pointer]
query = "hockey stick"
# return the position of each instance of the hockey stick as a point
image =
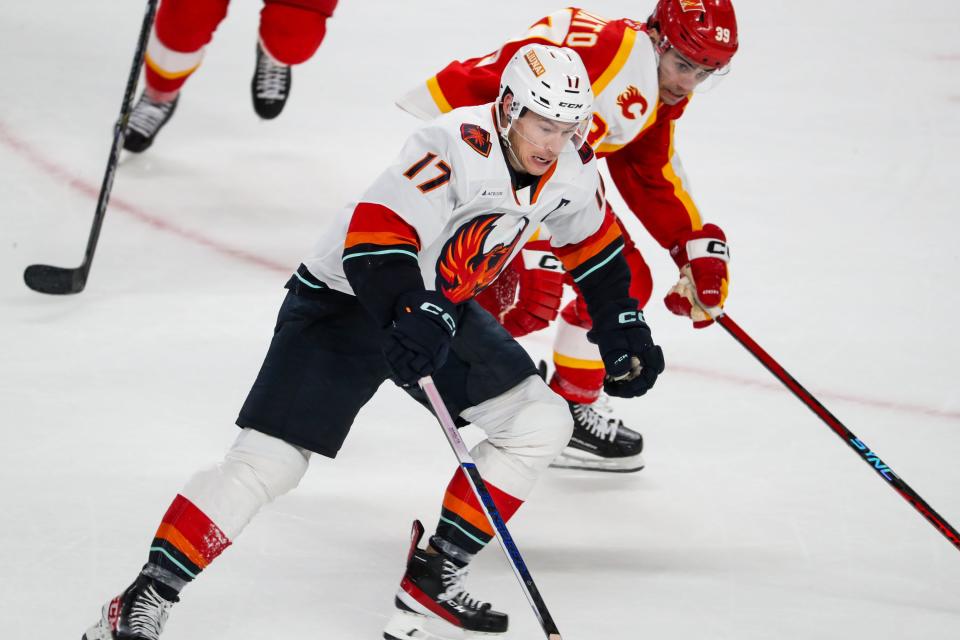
(490, 509)
(60, 280)
(858, 445)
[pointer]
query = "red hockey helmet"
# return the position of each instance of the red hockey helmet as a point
(705, 31)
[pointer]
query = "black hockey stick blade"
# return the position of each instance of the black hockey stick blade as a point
(55, 280)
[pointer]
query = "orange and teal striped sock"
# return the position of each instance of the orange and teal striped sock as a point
(463, 529)
(186, 542)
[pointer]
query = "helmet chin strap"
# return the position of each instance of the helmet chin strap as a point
(504, 132)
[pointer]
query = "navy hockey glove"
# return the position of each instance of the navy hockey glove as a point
(631, 359)
(418, 340)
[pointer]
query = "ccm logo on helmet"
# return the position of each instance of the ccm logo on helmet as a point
(571, 105)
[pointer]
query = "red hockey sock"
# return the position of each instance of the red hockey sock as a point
(291, 30)
(182, 29)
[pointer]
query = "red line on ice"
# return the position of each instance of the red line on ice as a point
(873, 403)
(91, 190)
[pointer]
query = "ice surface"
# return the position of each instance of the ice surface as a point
(829, 155)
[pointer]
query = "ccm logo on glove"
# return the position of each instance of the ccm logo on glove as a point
(437, 310)
(418, 340)
(700, 293)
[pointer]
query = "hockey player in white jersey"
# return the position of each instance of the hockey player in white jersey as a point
(387, 294)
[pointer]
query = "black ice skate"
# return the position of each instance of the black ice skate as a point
(600, 442)
(146, 120)
(270, 85)
(139, 613)
(432, 603)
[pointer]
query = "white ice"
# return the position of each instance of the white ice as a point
(829, 155)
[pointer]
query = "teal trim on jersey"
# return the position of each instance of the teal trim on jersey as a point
(464, 531)
(304, 281)
(174, 561)
(380, 253)
(597, 266)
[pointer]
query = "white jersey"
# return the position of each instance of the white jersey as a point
(448, 202)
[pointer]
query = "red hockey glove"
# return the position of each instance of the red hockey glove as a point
(540, 291)
(702, 289)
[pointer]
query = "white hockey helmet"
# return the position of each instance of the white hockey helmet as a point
(551, 82)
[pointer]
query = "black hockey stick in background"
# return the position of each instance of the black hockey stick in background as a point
(59, 280)
(858, 445)
(490, 509)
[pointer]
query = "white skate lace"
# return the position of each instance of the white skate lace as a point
(148, 115)
(148, 614)
(598, 425)
(271, 79)
(453, 579)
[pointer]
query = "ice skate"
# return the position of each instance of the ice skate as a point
(432, 603)
(139, 613)
(600, 442)
(270, 85)
(146, 120)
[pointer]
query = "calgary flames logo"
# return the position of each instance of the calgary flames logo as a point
(628, 99)
(466, 267)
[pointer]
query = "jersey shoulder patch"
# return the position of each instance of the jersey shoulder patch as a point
(586, 153)
(477, 138)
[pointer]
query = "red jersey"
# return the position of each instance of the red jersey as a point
(631, 128)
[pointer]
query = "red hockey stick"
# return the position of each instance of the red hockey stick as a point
(858, 445)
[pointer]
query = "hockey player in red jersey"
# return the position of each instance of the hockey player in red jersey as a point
(388, 294)
(643, 76)
(290, 33)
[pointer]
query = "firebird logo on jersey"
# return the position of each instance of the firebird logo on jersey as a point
(476, 138)
(475, 254)
(628, 99)
(692, 5)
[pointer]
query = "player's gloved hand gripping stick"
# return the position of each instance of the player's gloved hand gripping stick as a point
(631, 360)
(490, 509)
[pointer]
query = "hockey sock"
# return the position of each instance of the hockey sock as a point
(576, 383)
(291, 30)
(579, 371)
(463, 529)
(182, 31)
(186, 542)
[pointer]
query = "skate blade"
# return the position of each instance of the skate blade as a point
(101, 628)
(588, 462)
(405, 625)
(98, 631)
